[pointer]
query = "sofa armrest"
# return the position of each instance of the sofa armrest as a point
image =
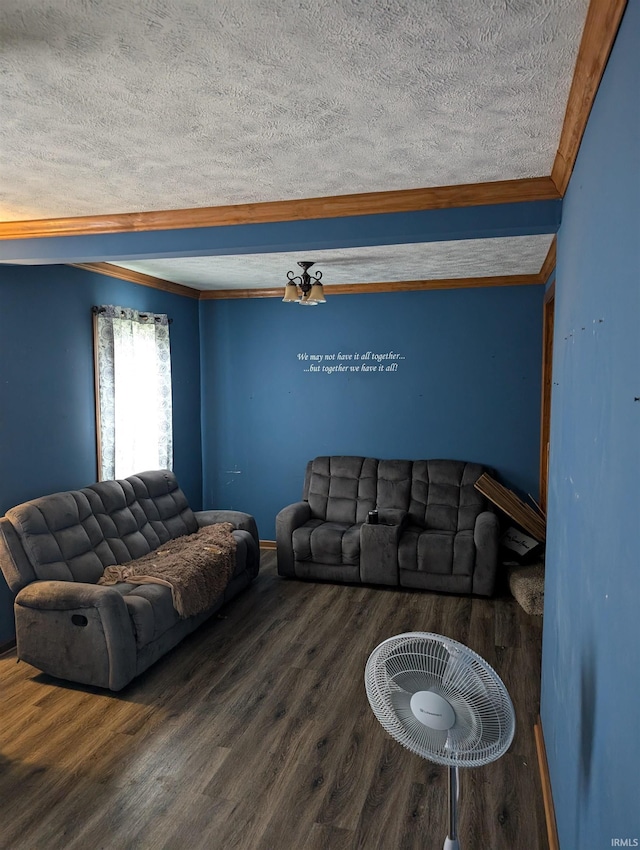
(238, 519)
(392, 516)
(379, 550)
(69, 595)
(289, 518)
(486, 534)
(76, 631)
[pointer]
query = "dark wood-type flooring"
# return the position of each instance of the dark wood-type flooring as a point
(256, 733)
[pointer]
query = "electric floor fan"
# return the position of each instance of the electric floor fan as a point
(443, 702)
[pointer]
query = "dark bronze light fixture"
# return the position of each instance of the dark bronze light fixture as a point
(304, 288)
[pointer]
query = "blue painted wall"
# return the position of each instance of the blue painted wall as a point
(591, 644)
(47, 413)
(468, 388)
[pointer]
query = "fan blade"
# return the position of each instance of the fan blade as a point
(401, 704)
(413, 681)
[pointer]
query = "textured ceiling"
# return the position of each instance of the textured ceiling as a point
(424, 261)
(110, 106)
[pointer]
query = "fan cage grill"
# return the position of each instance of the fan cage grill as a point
(419, 661)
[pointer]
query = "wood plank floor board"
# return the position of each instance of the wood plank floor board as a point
(348, 786)
(255, 733)
(194, 827)
(507, 628)
(383, 820)
(323, 837)
(305, 785)
(515, 671)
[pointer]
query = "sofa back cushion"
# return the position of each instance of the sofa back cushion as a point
(73, 536)
(435, 494)
(394, 484)
(341, 489)
(443, 495)
(141, 512)
(61, 537)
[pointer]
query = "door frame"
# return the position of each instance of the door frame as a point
(548, 314)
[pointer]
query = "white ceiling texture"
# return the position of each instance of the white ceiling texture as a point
(113, 106)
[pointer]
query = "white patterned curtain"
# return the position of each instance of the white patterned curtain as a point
(133, 366)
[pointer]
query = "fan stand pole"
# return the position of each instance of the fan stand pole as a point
(451, 841)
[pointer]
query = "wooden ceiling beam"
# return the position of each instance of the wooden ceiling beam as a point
(337, 206)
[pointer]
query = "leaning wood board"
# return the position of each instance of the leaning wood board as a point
(513, 507)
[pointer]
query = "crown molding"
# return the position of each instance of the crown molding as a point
(330, 289)
(218, 294)
(600, 30)
(337, 206)
(386, 286)
(138, 277)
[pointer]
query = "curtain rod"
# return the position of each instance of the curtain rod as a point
(95, 310)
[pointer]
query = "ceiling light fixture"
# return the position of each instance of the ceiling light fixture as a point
(304, 288)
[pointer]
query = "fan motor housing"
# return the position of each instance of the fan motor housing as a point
(432, 710)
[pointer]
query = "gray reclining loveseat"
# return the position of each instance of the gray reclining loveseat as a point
(53, 551)
(435, 531)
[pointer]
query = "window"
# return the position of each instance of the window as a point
(133, 391)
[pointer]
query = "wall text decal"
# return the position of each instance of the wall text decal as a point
(340, 361)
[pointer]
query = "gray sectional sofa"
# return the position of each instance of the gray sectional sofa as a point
(53, 551)
(435, 531)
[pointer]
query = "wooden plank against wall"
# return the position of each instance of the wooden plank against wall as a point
(512, 505)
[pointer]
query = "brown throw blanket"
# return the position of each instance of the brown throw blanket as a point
(197, 568)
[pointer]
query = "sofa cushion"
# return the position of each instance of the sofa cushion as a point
(443, 495)
(332, 543)
(62, 537)
(394, 484)
(437, 551)
(342, 489)
(150, 608)
(164, 504)
(139, 514)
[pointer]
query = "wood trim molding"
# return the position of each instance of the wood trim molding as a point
(548, 311)
(442, 283)
(600, 30)
(330, 289)
(268, 544)
(96, 398)
(137, 277)
(337, 206)
(549, 261)
(550, 294)
(389, 286)
(547, 798)
(215, 294)
(7, 646)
